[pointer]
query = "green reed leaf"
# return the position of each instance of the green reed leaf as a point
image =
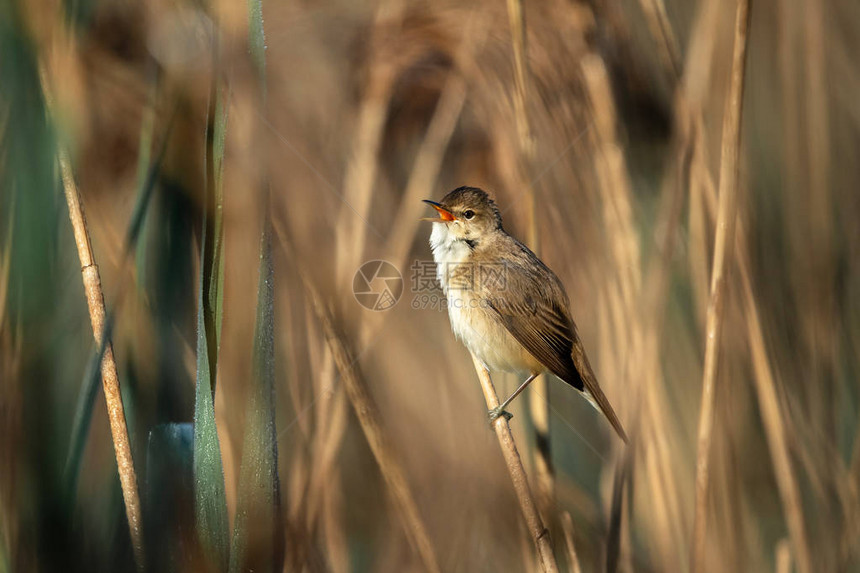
(210, 499)
(209, 493)
(257, 529)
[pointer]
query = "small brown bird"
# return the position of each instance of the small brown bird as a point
(504, 304)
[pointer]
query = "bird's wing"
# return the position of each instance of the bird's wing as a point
(536, 314)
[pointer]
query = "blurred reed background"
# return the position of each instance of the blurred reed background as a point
(240, 165)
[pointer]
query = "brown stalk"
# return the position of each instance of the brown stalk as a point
(516, 18)
(629, 321)
(336, 543)
(110, 377)
(299, 481)
(352, 227)
(614, 183)
(368, 417)
(695, 86)
(425, 172)
(724, 242)
(428, 163)
(360, 174)
(352, 224)
(613, 178)
(701, 187)
(537, 530)
(542, 453)
(661, 30)
(324, 492)
(654, 413)
(539, 397)
(778, 435)
(692, 168)
(771, 413)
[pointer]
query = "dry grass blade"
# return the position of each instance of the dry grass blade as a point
(613, 178)
(661, 30)
(724, 242)
(539, 397)
(363, 162)
(368, 416)
(516, 17)
(110, 377)
(425, 173)
(428, 163)
(774, 425)
(536, 527)
(542, 452)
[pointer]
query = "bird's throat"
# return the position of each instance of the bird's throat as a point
(448, 251)
(448, 247)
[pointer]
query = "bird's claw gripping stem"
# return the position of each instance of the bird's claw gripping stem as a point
(497, 412)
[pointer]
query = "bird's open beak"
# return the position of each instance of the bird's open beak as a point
(445, 215)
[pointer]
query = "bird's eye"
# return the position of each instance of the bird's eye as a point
(468, 214)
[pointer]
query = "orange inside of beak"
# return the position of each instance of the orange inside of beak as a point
(444, 214)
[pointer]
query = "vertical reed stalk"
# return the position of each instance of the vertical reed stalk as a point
(368, 417)
(768, 400)
(110, 377)
(363, 163)
(539, 397)
(724, 243)
(661, 30)
(377, 439)
(536, 527)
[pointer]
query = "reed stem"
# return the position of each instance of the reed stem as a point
(724, 243)
(110, 378)
(537, 529)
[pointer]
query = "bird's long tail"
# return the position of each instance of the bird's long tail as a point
(592, 389)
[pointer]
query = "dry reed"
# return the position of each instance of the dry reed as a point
(723, 246)
(538, 399)
(772, 416)
(793, 329)
(537, 530)
(368, 417)
(767, 394)
(110, 377)
(363, 163)
(428, 163)
(664, 37)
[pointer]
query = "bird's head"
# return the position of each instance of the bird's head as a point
(466, 214)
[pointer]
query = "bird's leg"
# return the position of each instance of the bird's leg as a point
(500, 409)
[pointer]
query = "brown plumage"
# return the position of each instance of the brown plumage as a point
(517, 321)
